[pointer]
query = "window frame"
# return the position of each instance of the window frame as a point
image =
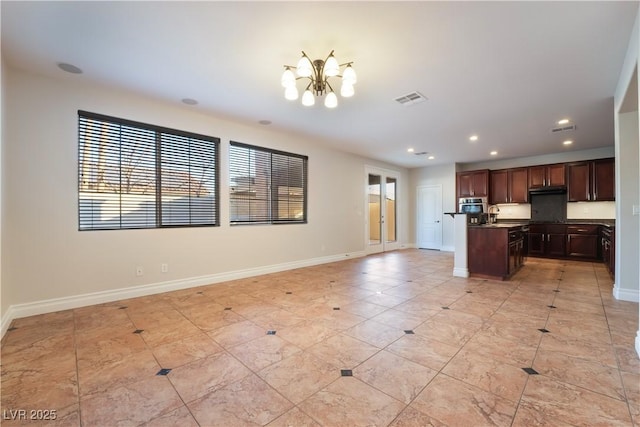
(273, 191)
(158, 201)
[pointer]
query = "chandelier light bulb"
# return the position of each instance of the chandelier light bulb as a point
(331, 67)
(349, 75)
(288, 78)
(331, 100)
(346, 90)
(308, 99)
(304, 68)
(291, 93)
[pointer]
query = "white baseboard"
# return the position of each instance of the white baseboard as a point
(461, 272)
(17, 311)
(632, 295)
(448, 249)
(638, 342)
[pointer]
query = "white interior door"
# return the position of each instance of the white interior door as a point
(429, 216)
(381, 194)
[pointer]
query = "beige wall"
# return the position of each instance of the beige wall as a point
(45, 257)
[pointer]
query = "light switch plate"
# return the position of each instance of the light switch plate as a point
(636, 209)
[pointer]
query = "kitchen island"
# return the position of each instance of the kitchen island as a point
(496, 251)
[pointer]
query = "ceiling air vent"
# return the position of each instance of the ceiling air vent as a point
(421, 153)
(410, 99)
(564, 128)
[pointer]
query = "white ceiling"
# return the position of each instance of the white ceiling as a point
(506, 71)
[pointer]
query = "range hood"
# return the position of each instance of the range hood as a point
(548, 190)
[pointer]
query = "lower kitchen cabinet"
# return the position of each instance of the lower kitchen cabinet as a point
(495, 252)
(547, 240)
(607, 236)
(582, 241)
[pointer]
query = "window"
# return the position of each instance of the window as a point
(134, 175)
(266, 186)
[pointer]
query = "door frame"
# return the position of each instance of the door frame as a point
(383, 246)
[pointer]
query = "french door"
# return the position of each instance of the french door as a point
(381, 201)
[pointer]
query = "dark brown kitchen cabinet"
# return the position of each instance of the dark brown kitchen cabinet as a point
(608, 248)
(473, 183)
(547, 240)
(509, 186)
(547, 176)
(591, 181)
(495, 252)
(603, 180)
(582, 241)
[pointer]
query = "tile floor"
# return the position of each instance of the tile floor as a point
(386, 340)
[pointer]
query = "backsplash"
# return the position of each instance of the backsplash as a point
(575, 210)
(591, 210)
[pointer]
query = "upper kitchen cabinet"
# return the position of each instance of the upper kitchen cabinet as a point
(547, 176)
(604, 181)
(591, 181)
(473, 183)
(509, 186)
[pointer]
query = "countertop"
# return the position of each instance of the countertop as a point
(509, 224)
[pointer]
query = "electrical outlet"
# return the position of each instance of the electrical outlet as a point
(139, 271)
(164, 268)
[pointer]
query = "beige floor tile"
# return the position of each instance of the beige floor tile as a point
(411, 417)
(456, 403)
(130, 404)
(247, 402)
(375, 333)
(203, 376)
(549, 402)
(343, 350)
(264, 351)
(429, 353)
(186, 350)
(580, 372)
(293, 418)
(180, 417)
(488, 374)
(398, 377)
(300, 376)
(307, 333)
(342, 404)
(237, 333)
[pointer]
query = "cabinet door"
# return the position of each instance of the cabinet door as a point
(582, 245)
(537, 176)
(480, 184)
(536, 243)
(499, 187)
(555, 245)
(465, 185)
(604, 188)
(518, 189)
(579, 185)
(556, 175)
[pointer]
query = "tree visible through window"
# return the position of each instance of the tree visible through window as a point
(134, 175)
(266, 186)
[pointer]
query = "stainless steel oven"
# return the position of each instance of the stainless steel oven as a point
(472, 205)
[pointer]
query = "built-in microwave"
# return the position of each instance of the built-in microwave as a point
(472, 205)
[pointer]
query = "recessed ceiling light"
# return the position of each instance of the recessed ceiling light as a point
(563, 121)
(473, 138)
(494, 153)
(265, 122)
(189, 101)
(69, 68)
(410, 150)
(431, 157)
(568, 142)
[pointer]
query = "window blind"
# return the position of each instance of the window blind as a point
(266, 186)
(135, 175)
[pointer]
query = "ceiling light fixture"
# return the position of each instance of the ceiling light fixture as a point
(318, 73)
(473, 138)
(494, 153)
(568, 142)
(431, 157)
(563, 121)
(410, 150)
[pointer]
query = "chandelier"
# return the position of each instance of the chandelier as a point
(318, 72)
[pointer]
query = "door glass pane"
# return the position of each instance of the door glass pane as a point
(390, 216)
(374, 198)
